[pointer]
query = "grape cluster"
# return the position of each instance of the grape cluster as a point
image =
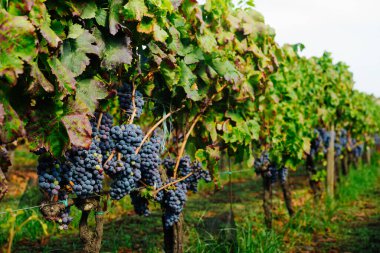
(151, 161)
(174, 199)
(127, 139)
(125, 100)
(261, 163)
(49, 175)
(173, 203)
(113, 167)
(185, 167)
(140, 204)
(270, 170)
(150, 174)
(357, 148)
(64, 218)
(338, 149)
(102, 134)
(343, 137)
(86, 166)
(198, 174)
(126, 181)
(316, 142)
(169, 164)
(272, 173)
(325, 135)
(282, 175)
(340, 142)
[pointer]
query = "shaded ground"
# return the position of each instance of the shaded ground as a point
(360, 231)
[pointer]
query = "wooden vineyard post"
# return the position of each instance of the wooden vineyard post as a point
(173, 236)
(368, 154)
(331, 164)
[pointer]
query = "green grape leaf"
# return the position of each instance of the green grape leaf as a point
(39, 79)
(114, 18)
(39, 16)
(75, 30)
(135, 10)
(65, 77)
(207, 43)
(226, 69)
(101, 17)
(74, 54)
(210, 125)
(87, 43)
(187, 81)
(171, 75)
(56, 140)
(193, 57)
(254, 129)
(11, 126)
(76, 61)
(159, 34)
(88, 10)
(116, 53)
(18, 43)
(90, 91)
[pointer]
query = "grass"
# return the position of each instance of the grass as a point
(231, 219)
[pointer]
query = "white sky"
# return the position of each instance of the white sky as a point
(349, 29)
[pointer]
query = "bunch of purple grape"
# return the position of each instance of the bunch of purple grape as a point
(173, 202)
(125, 100)
(49, 174)
(86, 165)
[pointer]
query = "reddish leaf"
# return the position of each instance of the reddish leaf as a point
(28, 4)
(79, 129)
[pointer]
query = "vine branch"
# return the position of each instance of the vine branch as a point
(149, 133)
(110, 157)
(195, 121)
(172, 183)
(180, 153)
(133, 101)
(99, 121)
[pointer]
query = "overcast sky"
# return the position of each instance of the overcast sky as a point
(349, 29)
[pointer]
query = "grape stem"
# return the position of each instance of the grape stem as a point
(143, 183)
(99, 121)
(133, 100)
(149, 133)
(195, 121)
(172, 183)
(110, 157)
